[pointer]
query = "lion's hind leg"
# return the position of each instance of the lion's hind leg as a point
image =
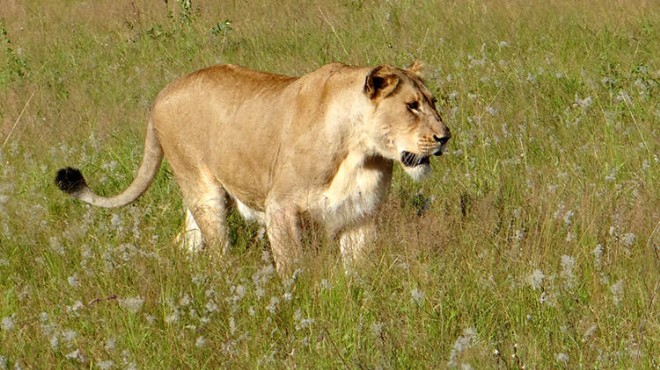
(206, 214)
(191, 237)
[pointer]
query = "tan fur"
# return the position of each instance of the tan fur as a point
(320, 145)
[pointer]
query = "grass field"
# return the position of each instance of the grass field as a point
(534, 244)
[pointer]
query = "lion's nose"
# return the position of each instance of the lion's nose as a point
(441, 139)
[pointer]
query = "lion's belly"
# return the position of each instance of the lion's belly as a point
(250, 214)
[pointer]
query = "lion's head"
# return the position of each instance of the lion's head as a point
(408, 127)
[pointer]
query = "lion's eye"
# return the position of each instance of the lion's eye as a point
(413, 106)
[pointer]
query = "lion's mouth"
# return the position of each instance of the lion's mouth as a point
(413, 160)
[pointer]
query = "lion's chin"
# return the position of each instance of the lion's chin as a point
(416, 166)
(418, 172)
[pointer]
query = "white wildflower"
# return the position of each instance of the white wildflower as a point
(200, 342)
(199, 279)
(229, 347)
(210, 293)
(211, 306)
(56, 246)
(259, 292)
(567, 267)
(418, 296)
(301, 323)
(463, 342)
(548, 299)
(377, 329)
(110, 344)
(589, 332)
(240, 291)
(54, 342)
(628, 239)
(560, 208)
(116, 222)
(265, 257)
(561, 358)
(263, 275)
(598, 255)
(583, 103)
(611, 177)
(132, 304)
(536, 279)
(608, 81)
(73, 281)
(325, 284)
(570, 236)
(232, 325)
(7, 323)
(519, 235)
(184, 301)
(74, 355)
(105, 365)
(612, 232)
(172, 318)
(623, 96)
(492, 111)
(531, 78)
(110, 166)
(641, 85)
(77, 306)
(272, 306)
(69, 335)
(568, 218)
(617, 292)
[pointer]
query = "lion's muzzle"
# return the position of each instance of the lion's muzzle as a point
(442, 140)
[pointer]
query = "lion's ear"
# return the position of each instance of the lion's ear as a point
(417, 68)
(381, 82)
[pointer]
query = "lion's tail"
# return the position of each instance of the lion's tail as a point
(72, 182)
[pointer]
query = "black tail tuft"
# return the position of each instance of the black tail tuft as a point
(70, 180)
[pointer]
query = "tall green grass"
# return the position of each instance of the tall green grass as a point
(535, 244)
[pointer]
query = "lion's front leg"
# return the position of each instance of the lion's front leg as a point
(284, 234)
(355, 240)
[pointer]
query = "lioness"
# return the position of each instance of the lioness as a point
(279, 148)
